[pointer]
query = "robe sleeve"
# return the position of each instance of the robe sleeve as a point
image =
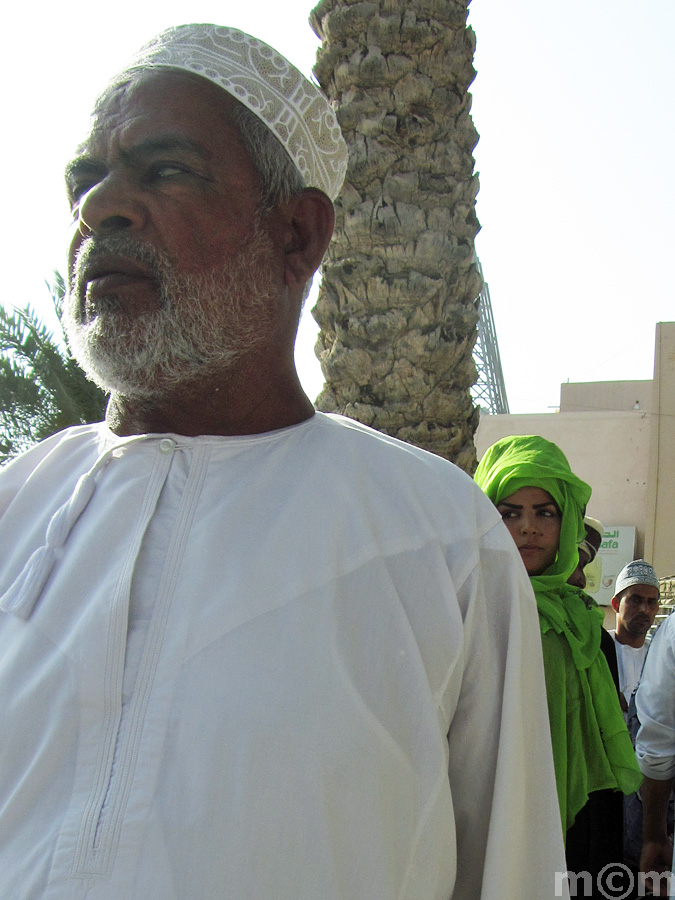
(655, 702)
(509, 836)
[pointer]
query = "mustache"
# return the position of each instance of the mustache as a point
(97, 247)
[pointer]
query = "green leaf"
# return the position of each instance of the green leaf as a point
(42, 389)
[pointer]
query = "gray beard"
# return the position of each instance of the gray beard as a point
(206, 322)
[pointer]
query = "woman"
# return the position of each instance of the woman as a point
(542, 503)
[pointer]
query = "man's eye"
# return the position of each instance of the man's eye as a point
(76, 194)
(78, 189)
(167, 170)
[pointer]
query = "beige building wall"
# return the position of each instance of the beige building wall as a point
(660, 525)
(620, 438)
(609, 450)
(606, 396)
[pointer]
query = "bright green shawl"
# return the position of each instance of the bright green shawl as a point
(591, 745)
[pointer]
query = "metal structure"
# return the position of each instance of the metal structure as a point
(489, 391)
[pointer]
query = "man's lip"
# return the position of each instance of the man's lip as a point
(108, 282)
(118, 269)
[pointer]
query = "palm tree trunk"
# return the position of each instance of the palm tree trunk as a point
(397, 305)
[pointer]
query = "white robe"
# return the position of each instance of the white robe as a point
(302, 665)
(630, 661)
(655, 704)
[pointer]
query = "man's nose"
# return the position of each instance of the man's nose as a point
(110, 205)
(578, 578)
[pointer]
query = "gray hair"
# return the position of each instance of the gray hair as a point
(279, 178)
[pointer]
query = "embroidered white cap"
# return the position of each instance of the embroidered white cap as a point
(260, 78)
(636, 572)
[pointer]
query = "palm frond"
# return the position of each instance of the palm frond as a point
(42, 389)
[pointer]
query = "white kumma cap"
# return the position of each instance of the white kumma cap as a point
(636, 572)
(293, 108)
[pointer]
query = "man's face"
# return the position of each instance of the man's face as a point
(636, 607)
(173, 274)
(578, 577)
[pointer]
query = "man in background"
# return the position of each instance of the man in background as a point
(588, 551)
(636, 604)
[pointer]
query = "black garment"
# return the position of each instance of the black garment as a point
(608, 647)
(595, 841)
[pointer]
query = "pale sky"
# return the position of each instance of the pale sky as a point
(573, 102)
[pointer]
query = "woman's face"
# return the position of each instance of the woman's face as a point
(533, 520)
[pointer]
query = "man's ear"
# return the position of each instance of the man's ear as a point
(309, 218)
(615, 604)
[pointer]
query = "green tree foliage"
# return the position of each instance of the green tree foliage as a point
(42, 389)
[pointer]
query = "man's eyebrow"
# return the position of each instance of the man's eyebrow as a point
(165, 143)
(82, 165)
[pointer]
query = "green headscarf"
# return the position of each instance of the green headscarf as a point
(591, 746)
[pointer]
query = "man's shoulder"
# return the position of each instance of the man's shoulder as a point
(387, 450)
(412, 477)
(65, 449)
(68, 437)
(665, 632)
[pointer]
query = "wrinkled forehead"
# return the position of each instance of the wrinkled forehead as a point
(640, 590)
(593, 537)
(162, 100)
(163, 86)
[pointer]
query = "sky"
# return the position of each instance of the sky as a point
(574, 106)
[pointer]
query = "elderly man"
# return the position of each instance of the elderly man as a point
(636, 604)
(248, 650)
(588, 551)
